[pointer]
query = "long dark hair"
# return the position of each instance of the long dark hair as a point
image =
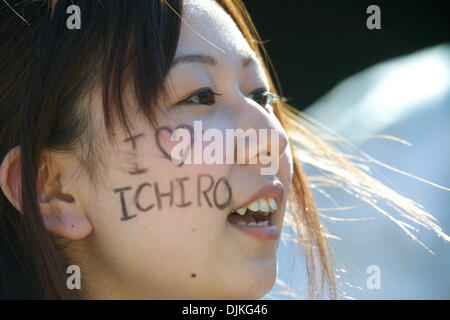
(45, 70)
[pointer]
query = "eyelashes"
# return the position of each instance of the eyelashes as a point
(263, 97)
(206, 96)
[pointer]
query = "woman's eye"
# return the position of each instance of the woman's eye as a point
(263, 97)
(204, 96)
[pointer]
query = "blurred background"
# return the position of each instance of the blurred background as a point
(368, 85)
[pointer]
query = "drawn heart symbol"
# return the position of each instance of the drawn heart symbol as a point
(170, 131)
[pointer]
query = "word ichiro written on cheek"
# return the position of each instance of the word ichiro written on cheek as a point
(211, 192)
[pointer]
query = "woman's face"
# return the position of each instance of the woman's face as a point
(162, 230)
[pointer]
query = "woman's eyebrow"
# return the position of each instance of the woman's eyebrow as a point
(246, 59)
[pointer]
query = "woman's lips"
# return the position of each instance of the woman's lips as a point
(260, 226)
(274, 190)
(269, 232)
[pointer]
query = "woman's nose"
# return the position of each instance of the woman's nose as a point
(259, 137)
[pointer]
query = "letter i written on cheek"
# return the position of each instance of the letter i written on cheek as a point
(136, 169)
(125, 215)
(183, 203)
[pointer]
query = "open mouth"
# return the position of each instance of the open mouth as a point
(256, 214)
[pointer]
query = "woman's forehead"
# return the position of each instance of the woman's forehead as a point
(207, 28)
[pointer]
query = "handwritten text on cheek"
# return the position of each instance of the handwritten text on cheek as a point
(156, 196)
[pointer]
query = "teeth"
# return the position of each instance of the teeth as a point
(263, 205)
(273, 204)
(254, 224)
(266, 206)
(254, 206)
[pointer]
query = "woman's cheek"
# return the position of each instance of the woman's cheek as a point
(168, 205)
(286, 166)
(150, 180)
(161, 220)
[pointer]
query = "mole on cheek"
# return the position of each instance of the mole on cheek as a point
(193, 275)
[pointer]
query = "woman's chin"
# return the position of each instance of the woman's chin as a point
(253, 284)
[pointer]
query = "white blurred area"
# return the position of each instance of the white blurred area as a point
(407, 98)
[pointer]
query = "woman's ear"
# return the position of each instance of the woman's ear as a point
(10, 177)
(61, 212)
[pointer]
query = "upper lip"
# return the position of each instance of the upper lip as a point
(274, 190)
